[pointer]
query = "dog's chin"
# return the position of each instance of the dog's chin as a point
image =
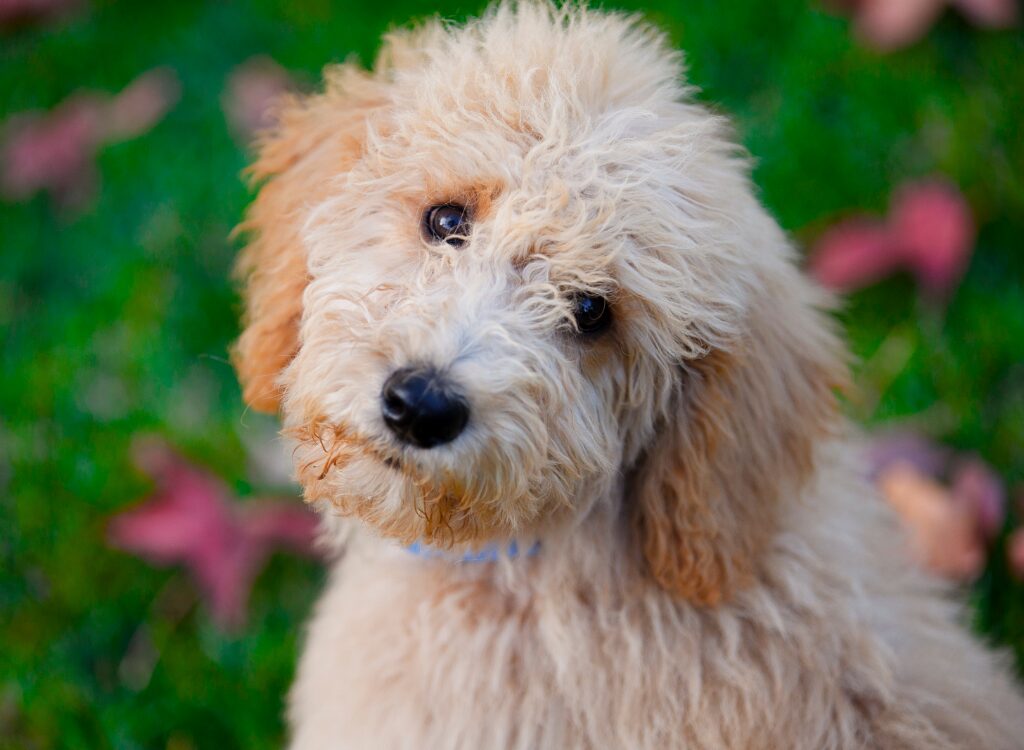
(359, 478)
(385, 494)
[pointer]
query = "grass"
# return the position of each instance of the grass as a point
(117, 322)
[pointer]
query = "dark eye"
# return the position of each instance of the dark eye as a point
(447, 223)
(593, 314)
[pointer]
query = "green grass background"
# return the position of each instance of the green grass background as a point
(117, 322)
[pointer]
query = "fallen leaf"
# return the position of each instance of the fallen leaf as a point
(853, 255)
(141, 105)
(1015, 553)
(52, 152)
(193, 520)
(888, 25)
(926, 456)
(932, 225)
(993, 14)
(942, 533)
(17, 13)
(978, 489)
(253, 91)
(929, 232)
(56, 151)
(950, 522)
(891, 24)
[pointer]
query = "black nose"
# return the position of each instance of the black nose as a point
(421, 409)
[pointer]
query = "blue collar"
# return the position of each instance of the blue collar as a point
(489, 553)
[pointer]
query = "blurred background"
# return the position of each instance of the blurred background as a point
(155, 568)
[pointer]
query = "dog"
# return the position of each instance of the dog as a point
(569, 409)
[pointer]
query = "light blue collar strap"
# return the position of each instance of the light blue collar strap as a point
(490, 553)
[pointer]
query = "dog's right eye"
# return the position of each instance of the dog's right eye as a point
(447, 223)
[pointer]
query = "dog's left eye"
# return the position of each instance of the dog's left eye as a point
(593, 314)
(447, 223)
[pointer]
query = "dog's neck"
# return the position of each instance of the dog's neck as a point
(593, 548)
(595, 507)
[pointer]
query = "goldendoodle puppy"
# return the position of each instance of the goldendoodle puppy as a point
(568, 407)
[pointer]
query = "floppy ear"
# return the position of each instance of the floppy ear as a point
(317, 139)
(739, 438)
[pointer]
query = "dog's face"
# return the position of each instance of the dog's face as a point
(514, 272)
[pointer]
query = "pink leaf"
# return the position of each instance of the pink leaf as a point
(285, 525)
(888, 25)
(979, 489)
(993, 14)
(932, 224)
(186, 512)
(927, 456)
(56, 151)
(891, 24)
(52, 152)
(191, 520)
(853, 255)
(254, 89)
(929, 232)
(943, 537)
(1015, 553)
(15, 13)
(141, 104)
(949, 525)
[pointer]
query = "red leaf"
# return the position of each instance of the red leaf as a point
(932, 225)
(888, 25)
(254, 89)
(1015, 553)
(15, 13)
(949, 525)
(56, 151)
(141, 104)
(925, 455)
(891, 24)
(52, 152)
(943, 537)
(853, 255)
(993, 14)
(929, 232)
(191, 520)
(277, 524)
(978, 488)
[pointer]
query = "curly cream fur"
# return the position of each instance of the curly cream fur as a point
(712, 573)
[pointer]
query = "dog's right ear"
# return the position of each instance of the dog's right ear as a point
(317, 138)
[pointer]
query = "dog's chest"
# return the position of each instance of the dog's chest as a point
(404, 655)
(409, 657)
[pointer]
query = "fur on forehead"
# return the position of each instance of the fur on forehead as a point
(572, 134)
(531, 67)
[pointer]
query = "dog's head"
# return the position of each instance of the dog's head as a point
(516, 269)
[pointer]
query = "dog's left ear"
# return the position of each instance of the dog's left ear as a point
(317, 139)
(740, 437)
